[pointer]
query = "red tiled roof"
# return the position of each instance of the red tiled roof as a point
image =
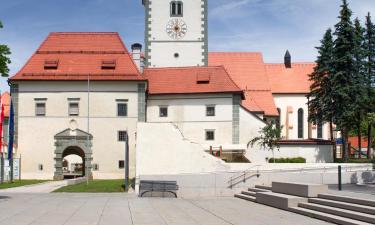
(80, 54)
(190, 80)
(247, 70)
(5, 100)
(290, 80)
(354, 142)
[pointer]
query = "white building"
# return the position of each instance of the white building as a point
(81, 93)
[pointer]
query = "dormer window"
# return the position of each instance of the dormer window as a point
(108, 64)
(176, 8)
(51, 64)
(203, 78)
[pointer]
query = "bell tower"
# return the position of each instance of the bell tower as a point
(176, 33)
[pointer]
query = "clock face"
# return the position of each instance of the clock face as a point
(176, 29)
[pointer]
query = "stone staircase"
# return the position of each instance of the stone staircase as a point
(311, 200)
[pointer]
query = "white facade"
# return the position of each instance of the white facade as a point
(38, 147)
(188, 113)
(176, 40)
(289, 104)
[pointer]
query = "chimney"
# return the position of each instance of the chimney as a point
(287, 60)
(136, 53)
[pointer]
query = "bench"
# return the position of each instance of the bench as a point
(146, 186)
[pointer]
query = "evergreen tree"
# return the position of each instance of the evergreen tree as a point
(320, 101)
(360, 79)
(344, 89)
(4, 59)
(369, 51)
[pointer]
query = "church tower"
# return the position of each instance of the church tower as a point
(176, 33)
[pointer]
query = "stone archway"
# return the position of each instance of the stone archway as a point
(69, 140)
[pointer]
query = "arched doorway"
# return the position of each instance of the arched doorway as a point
(73, 162)
(76, 142)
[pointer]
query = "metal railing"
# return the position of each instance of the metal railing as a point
(233, 180)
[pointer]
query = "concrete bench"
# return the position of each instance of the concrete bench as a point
(146, 186)
(300, 189)
(281, 201)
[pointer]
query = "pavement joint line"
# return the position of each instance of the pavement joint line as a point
(217, 216)
(188, 214)
(101, 214)
(46, 212)
(131, 213)
(71, 216)
(157, 211)
(21, 211)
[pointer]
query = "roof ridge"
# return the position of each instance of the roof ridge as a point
(232, 80)
(184, 67)
(83, 33)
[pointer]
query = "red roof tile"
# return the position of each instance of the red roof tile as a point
(80, 54)
(5, 100)
(290, 80)
(247, 70)
(190, 80)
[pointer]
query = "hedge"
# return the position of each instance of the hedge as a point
(287, 160)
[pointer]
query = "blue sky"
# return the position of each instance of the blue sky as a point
(267, 26)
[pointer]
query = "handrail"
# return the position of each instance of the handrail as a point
(232, 180)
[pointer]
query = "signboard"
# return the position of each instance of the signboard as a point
(16, 169)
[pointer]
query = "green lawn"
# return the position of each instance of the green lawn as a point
(95, 186)
(17, 183)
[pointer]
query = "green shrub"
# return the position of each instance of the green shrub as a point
(287, 160)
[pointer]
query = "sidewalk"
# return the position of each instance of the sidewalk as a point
(46, 187)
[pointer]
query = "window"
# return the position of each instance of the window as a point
(176, 8)
(210, 135)
(121, 164)
(122, 109)
(73, 109)
(122, 135)
(108, 64)
(278, 121)
(319, 130)
(51, 64)
(300, 123)
(163, 111)
(40, 109)
(210, 110)
(40, 167)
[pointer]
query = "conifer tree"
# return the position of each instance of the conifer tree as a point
(344, 92)
(320, 104)
(360, 80)
(369, 51)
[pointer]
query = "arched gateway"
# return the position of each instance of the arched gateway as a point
(72, 142)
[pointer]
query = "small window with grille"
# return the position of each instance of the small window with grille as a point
(122, 135)
(210, 110)
(40, 109)
(210, 135)
(163, 111)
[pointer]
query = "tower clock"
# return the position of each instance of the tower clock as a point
(175, 33)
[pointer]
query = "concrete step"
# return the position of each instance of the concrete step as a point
(246, 197)
(249, 193)
(264, 187)
(305, 190)
(258, 190)
(339, 212)
(344, 205)
(341, 198)
(277, 200)
(327, 217)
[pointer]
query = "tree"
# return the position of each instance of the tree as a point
(4, 59)
(320, 100)
(369, 51)
(269, 138)
(344, 92)
(360, 79)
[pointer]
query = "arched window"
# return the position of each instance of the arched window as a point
(176, 8)
(300, 123)
(319, 130)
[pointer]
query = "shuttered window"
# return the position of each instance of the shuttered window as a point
(40, 109)
(73, 109)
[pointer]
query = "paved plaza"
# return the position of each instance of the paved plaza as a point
(127, 209)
